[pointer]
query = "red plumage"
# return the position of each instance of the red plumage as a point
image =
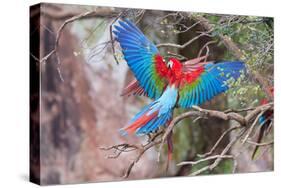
(161, 67)
(133, 88)
(140, 122)
(179, 74)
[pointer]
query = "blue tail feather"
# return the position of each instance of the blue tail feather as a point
(163, 107)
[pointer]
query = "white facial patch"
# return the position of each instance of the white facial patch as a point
(170, 64)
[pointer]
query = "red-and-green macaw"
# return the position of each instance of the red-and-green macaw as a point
(265, 121)
(172, 84)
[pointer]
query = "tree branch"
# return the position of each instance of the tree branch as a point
(234, 49)
(97, 12)
(260, 144)
(185, 44)
(223, 153)
(244, 125)
(205, 159)
(219, 140)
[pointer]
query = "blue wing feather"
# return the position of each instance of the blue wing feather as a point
(213, 81)
(139, 53)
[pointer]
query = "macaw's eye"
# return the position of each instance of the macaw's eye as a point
(170, 64)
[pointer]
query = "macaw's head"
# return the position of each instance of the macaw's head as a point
(174, 65)
(175, 71)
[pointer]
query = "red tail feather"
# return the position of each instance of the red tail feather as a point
(133, 88)
(140, 122)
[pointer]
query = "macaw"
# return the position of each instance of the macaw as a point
(170, 84)
(264, 121)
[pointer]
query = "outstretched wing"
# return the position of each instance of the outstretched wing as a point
(193, 64)
(133, 88)
(189, 66)
(215, 78)
(143, 58)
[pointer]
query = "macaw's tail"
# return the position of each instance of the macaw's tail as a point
(154, 115)
(148, 120)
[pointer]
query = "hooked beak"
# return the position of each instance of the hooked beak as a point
(170, 64)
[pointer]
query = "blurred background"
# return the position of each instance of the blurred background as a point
(81, 107)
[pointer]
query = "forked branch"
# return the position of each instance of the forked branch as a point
(244, 125)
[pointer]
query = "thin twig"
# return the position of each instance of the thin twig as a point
(218, 160)
(243, 122)
(185, 44)
(205, 159)
(252, 128)
(260, 144)
(219, 140)
(180, 57)
(234, 49)
(205, 46)
(142, 151)
(59, 33)
(239, 110)
(213, 113)
(141, 14)
(112, 38)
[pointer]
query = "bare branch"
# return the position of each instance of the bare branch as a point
(112, 39)
(206, 46)
(223, 153)
(185, 44)
(180, 57)
(260, 144)
(58, 12)
(219, 140)
(92, 13)
(187, 28)
(239, 110)
(141, 152)
(140, 16)
(205, 159)
(243, 123)
(232, 47)
(252, 127)
(120, 148)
